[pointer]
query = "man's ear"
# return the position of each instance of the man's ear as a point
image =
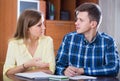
(93, 24)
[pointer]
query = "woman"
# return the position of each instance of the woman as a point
(30, 50)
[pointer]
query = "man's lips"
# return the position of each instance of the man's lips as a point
(77, 28)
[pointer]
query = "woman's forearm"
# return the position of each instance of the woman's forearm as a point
(14, 70)
(46, 70)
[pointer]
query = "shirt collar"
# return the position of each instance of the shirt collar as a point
(94, 39)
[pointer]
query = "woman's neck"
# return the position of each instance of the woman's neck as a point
(31, 45)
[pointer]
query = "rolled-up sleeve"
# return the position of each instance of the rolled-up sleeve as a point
(10, 57)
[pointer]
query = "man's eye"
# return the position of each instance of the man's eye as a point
(75, 19)
(81, 20)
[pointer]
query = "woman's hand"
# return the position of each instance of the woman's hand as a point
(36, 62)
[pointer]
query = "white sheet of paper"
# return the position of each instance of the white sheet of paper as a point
(34, 75)
(82, 77)
(39, 75)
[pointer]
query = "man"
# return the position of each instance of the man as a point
(87, 51)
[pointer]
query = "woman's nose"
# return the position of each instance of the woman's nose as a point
(43, 26)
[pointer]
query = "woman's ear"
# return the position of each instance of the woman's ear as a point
(94, 24)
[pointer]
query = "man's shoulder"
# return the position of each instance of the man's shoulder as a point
(106, 36)
(72, 34)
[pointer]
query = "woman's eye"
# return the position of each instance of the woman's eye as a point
(40, 25)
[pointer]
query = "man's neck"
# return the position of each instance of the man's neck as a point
(90, 36)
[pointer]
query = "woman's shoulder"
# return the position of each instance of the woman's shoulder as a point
(15, 41)
(46, 38)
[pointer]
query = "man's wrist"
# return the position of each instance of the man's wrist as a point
(63, 72)
(81, 70)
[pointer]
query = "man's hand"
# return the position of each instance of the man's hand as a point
(73, 71)
(80, 71)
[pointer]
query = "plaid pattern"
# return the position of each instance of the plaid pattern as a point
(98, 58)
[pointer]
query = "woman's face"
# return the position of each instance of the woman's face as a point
(37, 30)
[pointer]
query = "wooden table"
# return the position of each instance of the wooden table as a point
(15, 78)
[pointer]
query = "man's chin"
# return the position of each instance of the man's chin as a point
(78, 32)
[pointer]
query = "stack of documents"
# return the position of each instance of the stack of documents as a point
(42, 75)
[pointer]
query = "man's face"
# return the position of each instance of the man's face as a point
(83, 24)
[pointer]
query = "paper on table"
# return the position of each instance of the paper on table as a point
(40, 75)
(82, 77)
(35, 75)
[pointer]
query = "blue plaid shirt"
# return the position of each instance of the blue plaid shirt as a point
(98, 58)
